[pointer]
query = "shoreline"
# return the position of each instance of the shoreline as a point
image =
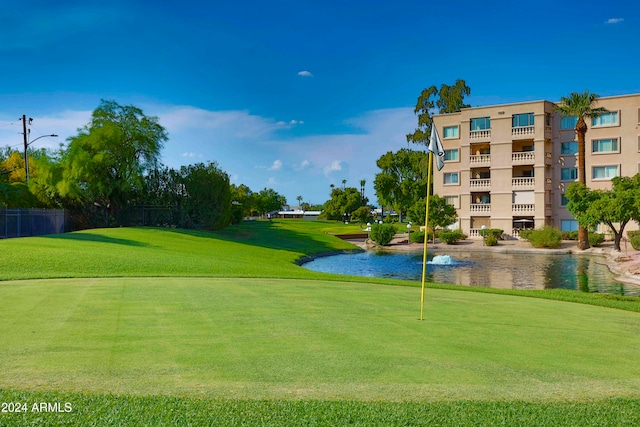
(625, 265)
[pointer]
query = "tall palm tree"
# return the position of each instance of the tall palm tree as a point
(299, 199)
(344, 183)
(581, 105)
(362, 184)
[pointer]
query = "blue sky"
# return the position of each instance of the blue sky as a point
(296, 96)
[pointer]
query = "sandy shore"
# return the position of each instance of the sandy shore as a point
(625, 264)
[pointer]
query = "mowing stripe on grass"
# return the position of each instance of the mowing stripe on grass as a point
(307, 339)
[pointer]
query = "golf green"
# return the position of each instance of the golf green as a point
(309, 339)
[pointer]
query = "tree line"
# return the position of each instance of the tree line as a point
(112, 167)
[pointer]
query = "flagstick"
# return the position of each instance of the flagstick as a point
(426, 234)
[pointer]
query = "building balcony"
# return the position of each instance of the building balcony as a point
(480, 160)
(523, 208)
(523, 158)
(477, 184)
(548, 158)
(482, 208)
(480, 134)
(523, 131)
(523, 183)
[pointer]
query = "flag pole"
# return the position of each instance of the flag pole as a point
(426, 233)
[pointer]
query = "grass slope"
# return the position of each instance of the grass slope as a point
(255, 249)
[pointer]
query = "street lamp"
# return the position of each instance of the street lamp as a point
(26, 157)
(483, 228)
(368, 231)
(26, 133)
(409, 233)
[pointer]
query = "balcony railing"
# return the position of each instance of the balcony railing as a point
(480, 208)
(480, 183)
(480, 159)
(523, 157)
(478, 134)
(523, 183)
(523, 131)
(520, 208)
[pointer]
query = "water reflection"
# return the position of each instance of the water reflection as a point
(486, 269)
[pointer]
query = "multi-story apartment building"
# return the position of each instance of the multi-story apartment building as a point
(508, 166)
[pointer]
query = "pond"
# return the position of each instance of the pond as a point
(479, 268)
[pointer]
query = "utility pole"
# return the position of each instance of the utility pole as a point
(25, 133)
(26, 145)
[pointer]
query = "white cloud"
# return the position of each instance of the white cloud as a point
(64, 124)
(305, 73)
(191, 155)
(277, 165)
(335, 166)
(238, 140)
(613, 20)
(303, 165)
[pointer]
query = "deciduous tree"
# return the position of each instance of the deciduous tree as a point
(402, 180)
(447, 99)
(105, 163)
(615, 207)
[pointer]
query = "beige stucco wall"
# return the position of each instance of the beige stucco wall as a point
(546, 137)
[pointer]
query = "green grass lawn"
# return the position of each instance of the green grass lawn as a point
(234, 333)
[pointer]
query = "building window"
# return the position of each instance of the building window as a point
(569, 147)
(451, 178)
(520, 120)
(606, 119)
(569, 122)
(563, 200)
(604, 172)
(481, 123)
(451, 155)
(604, 145)
(569, 174)
(451, 132)
(453, 201)
(569, 225)
(547, 119)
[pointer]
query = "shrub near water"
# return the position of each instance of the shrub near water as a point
(546, 237)
(382, 233)
(452, 237)
(596, 239)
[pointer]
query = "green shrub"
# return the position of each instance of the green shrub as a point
(390, 219)
(495, 232)
(417, 237)
(570, 235)
(632, 233)
(382, 233)
(546, 237)
(596, 239)
(491, 240)
(362, 215)
(452, 237)
(525, 234)
(635, 242)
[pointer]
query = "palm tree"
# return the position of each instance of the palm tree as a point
(344, 183)
(581, 105)
(362, 184)
(299, 199)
